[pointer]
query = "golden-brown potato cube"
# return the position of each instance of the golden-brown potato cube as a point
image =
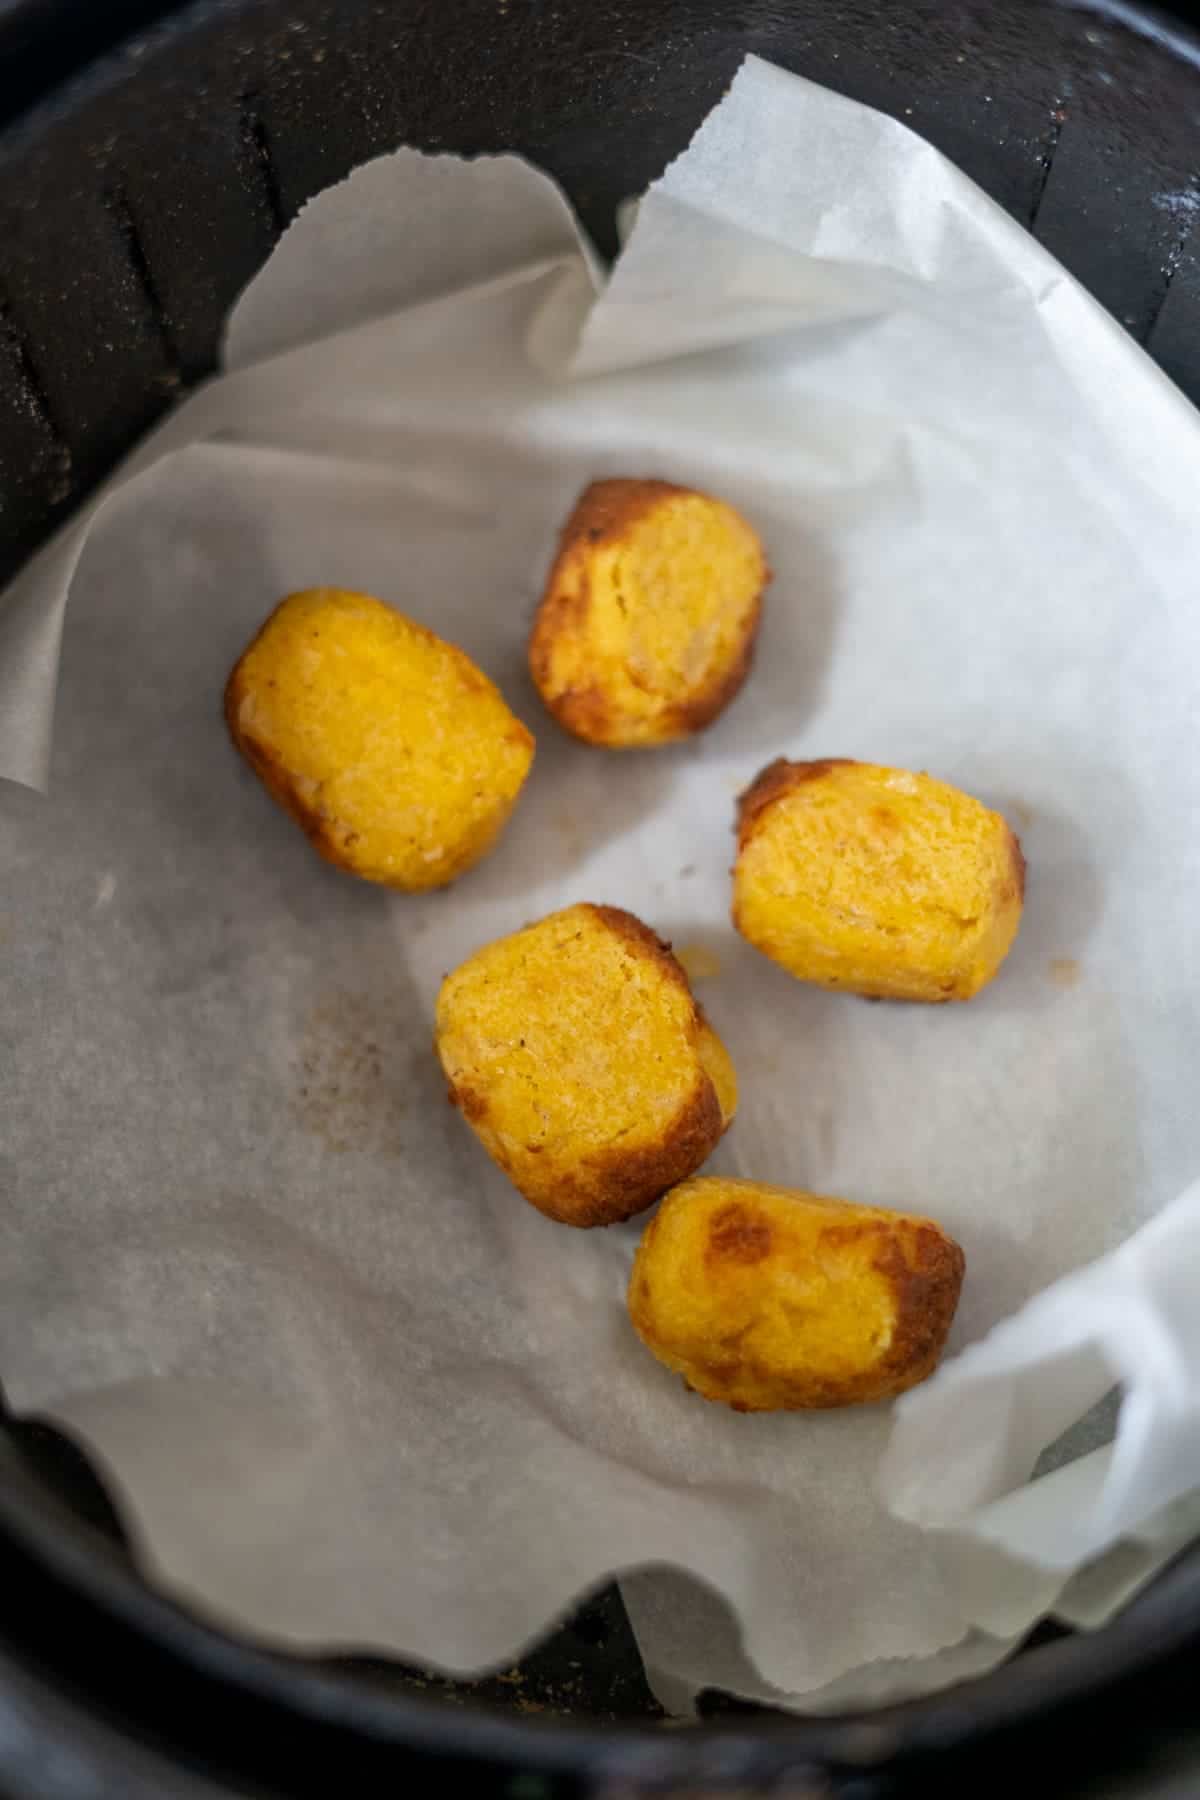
(647, 625)
(773, 1300)
(576, 1052)
(883, 883)
(393, 752)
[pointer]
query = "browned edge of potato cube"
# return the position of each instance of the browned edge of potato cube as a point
(600, 1185)
(602, 515)
(774, 1299)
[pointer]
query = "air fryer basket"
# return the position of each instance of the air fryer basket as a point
(140, 188)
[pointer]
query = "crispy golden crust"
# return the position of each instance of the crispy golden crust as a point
(925, 1269)
(766, 1300)
(645, 943)
(772, 783)
(602, 513)
(611, 1186)
(909, 906)
(589, 708)
(628, 1181)
(345, 836)
(588, 1182)
(606, 509)
(719, 1064)
(271, 771)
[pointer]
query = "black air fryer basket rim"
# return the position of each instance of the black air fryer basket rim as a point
(1071, 1675)
(72, 1557)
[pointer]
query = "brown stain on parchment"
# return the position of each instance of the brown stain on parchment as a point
(350, 1076)
(1065, 971)
(571, 836)
(699, 962)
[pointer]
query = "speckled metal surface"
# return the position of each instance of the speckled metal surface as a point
(135, 201)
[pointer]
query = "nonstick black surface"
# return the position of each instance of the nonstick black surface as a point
(139, 190)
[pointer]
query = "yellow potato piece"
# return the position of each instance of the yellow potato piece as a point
(771, 1300)
(647, 625)
(875, 880)
(396, 755)
(576, 1052)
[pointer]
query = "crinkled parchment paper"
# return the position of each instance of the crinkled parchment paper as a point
(350, 1390)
